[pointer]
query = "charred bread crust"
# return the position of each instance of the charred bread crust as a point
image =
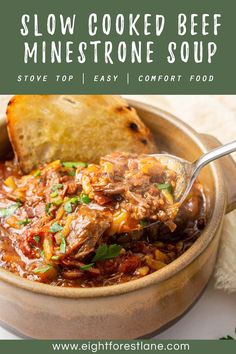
(43, 128)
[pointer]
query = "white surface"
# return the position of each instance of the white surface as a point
(213, 316)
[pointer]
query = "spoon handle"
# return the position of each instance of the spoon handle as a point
(204, 160)
(213, 155)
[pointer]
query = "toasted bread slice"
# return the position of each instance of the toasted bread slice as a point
(43, 128)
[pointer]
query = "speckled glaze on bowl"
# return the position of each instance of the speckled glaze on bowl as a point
(141, 306)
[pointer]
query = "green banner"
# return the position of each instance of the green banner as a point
(102, 347)
(133, 47)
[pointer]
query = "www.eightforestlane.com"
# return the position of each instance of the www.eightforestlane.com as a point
(114, 346)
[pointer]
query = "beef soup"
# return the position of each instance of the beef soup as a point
(84, 225)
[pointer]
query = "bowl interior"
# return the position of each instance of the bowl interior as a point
(177, 138)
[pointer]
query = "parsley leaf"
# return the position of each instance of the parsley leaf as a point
(55, 258)
(36, 238)
(37, 173)
(74, 164)
(68, 207)
(71, 173)
(24, 222)
(54, 194)
(106, 252)
(84, 198)
(58, 202)
(161, 186)
(63, 245)
(143, 222)
(55, 228)
(68, 204)
(55, 187)
(87, 266)
(43, 269)
(47, 208)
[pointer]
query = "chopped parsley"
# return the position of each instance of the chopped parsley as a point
(166, 186)
(74, 200)
(24, 222)
(87, 266)
(47, 208)
(55, 258)
(58, 202)
(143, 222)
(106, 252)
(74, 164)
(54, 194)
(43, 269)
(37, 173)
(42, 253)
(5, 212)
(71, 173)
(55, 187)
(63, 245)
(84, 198)
(36, 238)
(55, 228)
(68, 205)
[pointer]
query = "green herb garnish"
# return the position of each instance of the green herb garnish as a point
(63, 245)
(54, 194)
(68, 204)
(74, 164)
(47, 208)
(43, 269)
(68, 207)
(143, 222)
(37, 173)
(55, 187)
(84, 198)
(106, 252)
(36, 238)
(87, 266)
(74, 200)
(55, 258)
(24, 222)
(58, 202)
(71, 173)
(4, 212)
(55, 228)
(161, 186)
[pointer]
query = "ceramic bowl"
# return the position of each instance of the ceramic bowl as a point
(142, 306)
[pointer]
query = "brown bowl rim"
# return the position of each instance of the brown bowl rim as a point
(161, 275)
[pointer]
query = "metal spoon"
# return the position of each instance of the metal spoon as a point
(187, 172)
